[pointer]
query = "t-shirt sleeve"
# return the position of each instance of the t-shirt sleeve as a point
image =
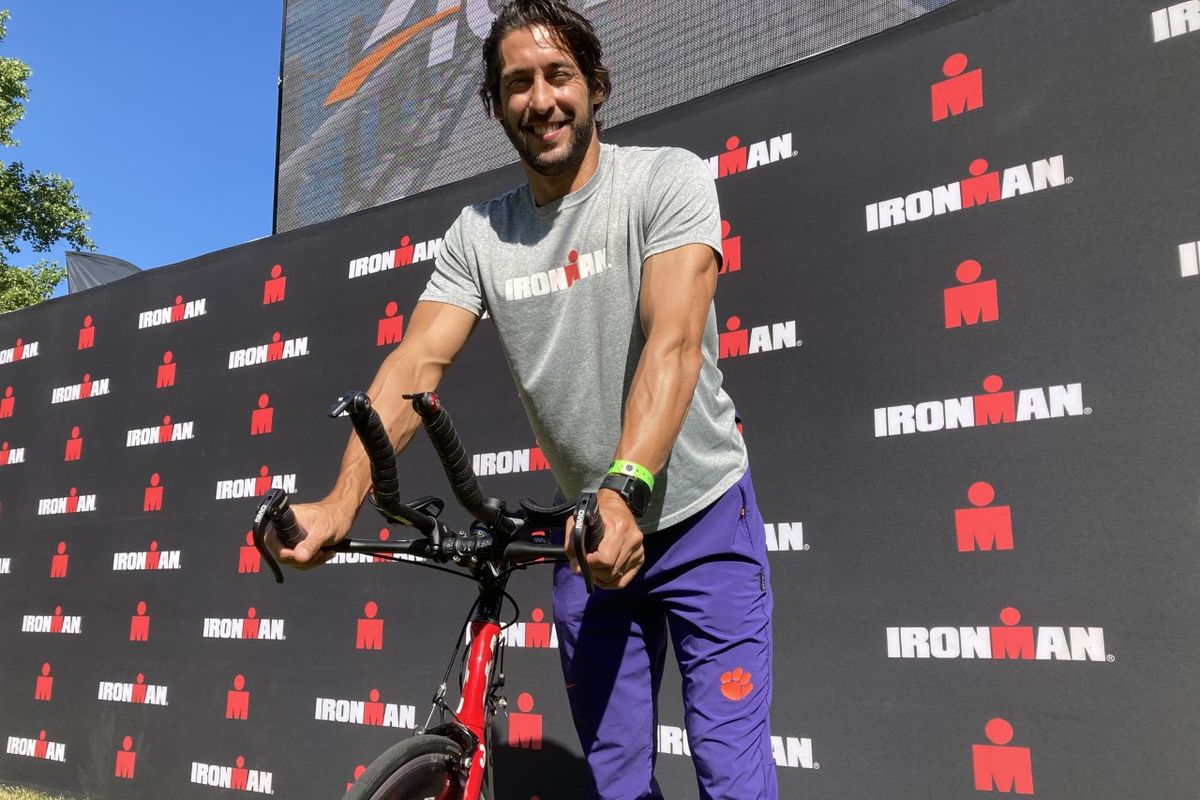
(455, 280)
(681, 204)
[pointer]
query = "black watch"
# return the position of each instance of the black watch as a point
(634, 491)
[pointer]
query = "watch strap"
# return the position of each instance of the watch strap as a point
(634, 491)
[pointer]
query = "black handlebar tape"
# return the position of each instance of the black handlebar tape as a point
(286, 528)
(455, 460)
(378, 447)
(385, 484)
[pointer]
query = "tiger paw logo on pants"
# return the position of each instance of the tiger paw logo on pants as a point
(736, 684)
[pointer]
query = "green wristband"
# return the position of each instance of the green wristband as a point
(623, 467)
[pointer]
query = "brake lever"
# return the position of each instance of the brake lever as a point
(587, 535)
(274, 509)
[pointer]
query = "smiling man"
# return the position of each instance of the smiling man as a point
(547, 111)
(599, 272)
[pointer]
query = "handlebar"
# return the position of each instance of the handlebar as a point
(384, 483)
(493, 538)
(455, 546)
(455, 462)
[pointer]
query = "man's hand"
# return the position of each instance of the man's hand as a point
(620, 555)
(322, 525)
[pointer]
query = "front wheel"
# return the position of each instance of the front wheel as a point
(424, 767)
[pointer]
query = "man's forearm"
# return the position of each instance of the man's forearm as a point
(676, 297)
(436, 332)
(658, 402)
(396, 377)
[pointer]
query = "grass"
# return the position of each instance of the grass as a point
(19, 793)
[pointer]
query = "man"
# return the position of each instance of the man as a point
(624, 243)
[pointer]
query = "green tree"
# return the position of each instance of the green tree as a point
(37, 209)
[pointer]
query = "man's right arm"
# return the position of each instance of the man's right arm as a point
(435, 334)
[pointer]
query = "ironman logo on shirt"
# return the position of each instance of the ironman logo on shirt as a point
(578, 267)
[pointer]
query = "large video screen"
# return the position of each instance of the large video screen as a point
(380, 96)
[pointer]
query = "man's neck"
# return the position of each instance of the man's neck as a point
(548, 188)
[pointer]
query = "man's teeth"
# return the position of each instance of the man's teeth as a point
(541, 130)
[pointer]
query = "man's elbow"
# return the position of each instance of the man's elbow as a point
(414, 367)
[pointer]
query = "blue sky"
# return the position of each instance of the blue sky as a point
(162, 113)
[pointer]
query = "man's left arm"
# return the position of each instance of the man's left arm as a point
(676, 292)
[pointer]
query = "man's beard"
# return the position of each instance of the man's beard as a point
(553, 166)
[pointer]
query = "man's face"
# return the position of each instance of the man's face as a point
(545, 104)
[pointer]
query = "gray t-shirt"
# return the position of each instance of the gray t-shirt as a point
(561, 284)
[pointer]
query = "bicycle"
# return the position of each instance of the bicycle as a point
(452, 760)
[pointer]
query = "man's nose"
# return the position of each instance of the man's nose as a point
(541, 97)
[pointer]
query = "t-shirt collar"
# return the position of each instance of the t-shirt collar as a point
(579, 195)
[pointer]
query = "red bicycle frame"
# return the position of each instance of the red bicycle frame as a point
(480, 681)
(472, 705)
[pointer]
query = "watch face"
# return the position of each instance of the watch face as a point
(640, 497)
(635, 492)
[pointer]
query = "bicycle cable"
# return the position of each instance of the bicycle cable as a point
(400, 560)
(439, 697)
(506, 573)
(516, 606)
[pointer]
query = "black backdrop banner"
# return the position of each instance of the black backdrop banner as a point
(959, 321)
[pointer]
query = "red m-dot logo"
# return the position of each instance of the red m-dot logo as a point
(275, 287)
(525, 727)
(126, 759)
(390, 329)
(87, 334)
(370, 630)
(237, 700)
(973, 301)
(1000, 767)
(983, 526)
(152, 499)
(74, 448)
(960, 92)
(43, 688)
(139, 624)
(166, 371)
(263, 417)
(249, 561)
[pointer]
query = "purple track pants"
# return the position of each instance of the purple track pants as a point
(706, 583)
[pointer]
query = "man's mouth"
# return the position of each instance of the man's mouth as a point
(547, 131)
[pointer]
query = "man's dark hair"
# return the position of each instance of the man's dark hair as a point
(572, 30)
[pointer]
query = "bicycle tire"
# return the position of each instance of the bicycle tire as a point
(426, 767)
